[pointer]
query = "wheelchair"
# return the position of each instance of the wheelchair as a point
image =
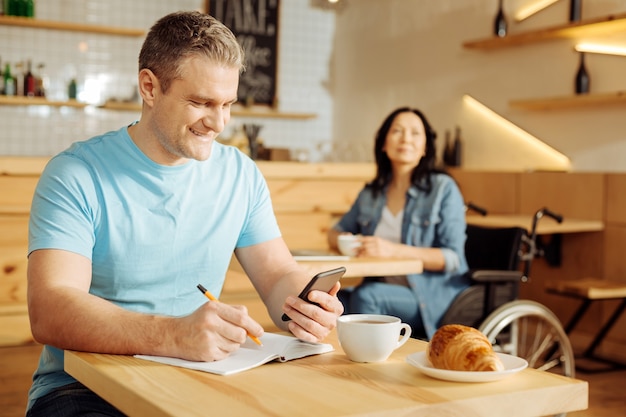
(517, 327)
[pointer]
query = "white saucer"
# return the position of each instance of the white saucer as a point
(512, 365)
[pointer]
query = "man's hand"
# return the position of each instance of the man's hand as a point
(310, 322)
(213, 331)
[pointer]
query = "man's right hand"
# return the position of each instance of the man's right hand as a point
(213, 331)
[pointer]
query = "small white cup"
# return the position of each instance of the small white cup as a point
(348, 244)
(371, 337)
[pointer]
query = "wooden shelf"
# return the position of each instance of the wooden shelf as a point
(235, 111)
(69, 26)
(269, 113)
(38, 101)
(121, 106)
(136, 107)
(588, 28)
(583, 100)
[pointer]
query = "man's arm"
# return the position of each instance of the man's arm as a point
(63, 314)
(279, 279)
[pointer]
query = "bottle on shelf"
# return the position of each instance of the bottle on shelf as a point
(457, 148)
(500, 26)
(16, 7)
(30, 84)
(8, 7)
(72, 89)
(447, 150)
(41, 81)
(29, 8)
(25, 8)
(18, 78)
(9, 81)
(575, 10)
(582, 77)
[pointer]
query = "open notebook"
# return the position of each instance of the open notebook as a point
(275, 347)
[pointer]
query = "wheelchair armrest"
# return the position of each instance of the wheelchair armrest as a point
(485, 276)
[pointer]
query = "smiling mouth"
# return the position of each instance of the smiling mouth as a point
(195, 132)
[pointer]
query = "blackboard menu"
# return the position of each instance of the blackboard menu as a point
(255, 24)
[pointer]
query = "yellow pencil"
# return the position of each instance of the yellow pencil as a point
(211, 297)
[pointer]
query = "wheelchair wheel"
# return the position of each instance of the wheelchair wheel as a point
(531, 331)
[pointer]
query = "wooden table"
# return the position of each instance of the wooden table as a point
(357, 268)
(367, 267)
(545, 225)
(326, 385)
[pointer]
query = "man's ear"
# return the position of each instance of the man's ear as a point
(149, 86)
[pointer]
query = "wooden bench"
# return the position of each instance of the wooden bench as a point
(589, 290)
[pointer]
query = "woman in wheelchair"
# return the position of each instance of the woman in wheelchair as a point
(410, 209)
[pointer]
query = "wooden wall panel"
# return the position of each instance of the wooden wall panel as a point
(22, 165)
(304, 230)
(14, 325)
(577, 195)
(332, 196)
(14, 229)
(17, 193)
(615, 270)
(15, 330)
(13, 264)
(318, 171)
(615, 252)
(495, 192)
(578, 261)
(616, 198)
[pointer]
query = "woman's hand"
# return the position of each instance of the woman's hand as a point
(376, 247)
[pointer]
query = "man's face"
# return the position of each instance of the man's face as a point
(194, 111)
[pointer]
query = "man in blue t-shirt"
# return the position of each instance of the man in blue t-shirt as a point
(125, 225)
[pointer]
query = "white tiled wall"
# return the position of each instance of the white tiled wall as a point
(107, 68)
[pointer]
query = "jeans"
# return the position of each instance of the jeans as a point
(373, 297)
(72, 400)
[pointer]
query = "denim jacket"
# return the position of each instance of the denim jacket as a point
(435, 219)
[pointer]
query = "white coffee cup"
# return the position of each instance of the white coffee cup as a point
(371, 337)
(348, 244)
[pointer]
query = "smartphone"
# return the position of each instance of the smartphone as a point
(324, 281)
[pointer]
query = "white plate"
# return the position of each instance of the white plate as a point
(512, 365)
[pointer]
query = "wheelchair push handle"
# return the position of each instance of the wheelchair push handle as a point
(547, 212)
(471, 206)
(541, 213)
(532, 248)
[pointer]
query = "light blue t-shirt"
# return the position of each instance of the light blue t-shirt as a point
(152, 232)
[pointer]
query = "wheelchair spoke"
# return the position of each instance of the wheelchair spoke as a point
(537, 353)
(549, 365)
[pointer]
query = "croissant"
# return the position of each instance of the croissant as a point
(461, 348)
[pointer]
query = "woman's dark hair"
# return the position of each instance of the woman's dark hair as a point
(421, 174)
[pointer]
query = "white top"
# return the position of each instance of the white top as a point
(390, 228)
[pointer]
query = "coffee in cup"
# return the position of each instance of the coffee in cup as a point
(371, 337)
(348, 244)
